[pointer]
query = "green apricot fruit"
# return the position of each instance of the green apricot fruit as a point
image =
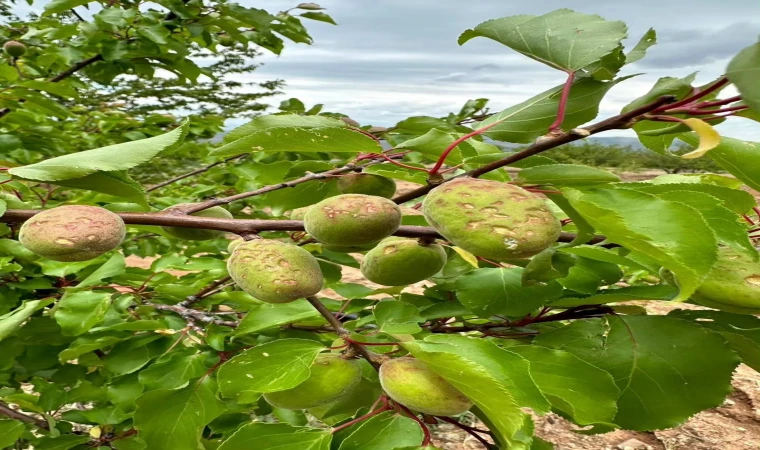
(233, 245)
(352, 219)
(299, 213)
(332, 377)
(274, 271)
(73, 233)
(409, 382)
(494, 220)
(14, 48)
(732, 285)
(399, 261)
(199, 234)
(367, 184)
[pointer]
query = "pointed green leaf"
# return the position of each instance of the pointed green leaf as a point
(743, 71)
(475, 381)
(10, 431)
(395, 317)
(277, 436)
(663, 292)
(736, 156)
(270, 367)
(566, 175)
(77, 312)
(530, 119)
(63, 442)
(738, 201)
(563, 39)
(175, 419)
(640, 50)
(268, 315)
(283, 120)
(176, 369)
(301, 140)
(674, 234)
(580, 390)
(12, 321)
(115, 265)
(660, 385)
(603, 254)
(59, 6)
(491, 291)
(398, 173)
(386, 431)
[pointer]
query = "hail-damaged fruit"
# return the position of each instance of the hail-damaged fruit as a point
(352, 219)
(491, 219)
(366, 183)
(409, 382)
(72, 233)
(199, 234)
(733, 284)
(274, 271)
(14, 48)
(398, 262)
(332, 378)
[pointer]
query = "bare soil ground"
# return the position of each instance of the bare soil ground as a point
(735, 425)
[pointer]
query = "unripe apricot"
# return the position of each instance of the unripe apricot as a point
(233, 245)
(299, 213)
(409, 382)
(274, 271)
(72, 233)
(399, 261)
(367, 184)
(491, 219)
(14, 48)
(199, 234)
(352, 219)
(732, 285)
(332, 377)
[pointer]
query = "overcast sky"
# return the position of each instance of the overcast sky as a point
(390, 59)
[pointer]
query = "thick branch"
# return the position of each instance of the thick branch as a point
(241, 226)
(194, 172)
(7, 411)
(620, 121)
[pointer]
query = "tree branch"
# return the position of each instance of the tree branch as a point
(200, 295)
(7, 411)
(372, 358)
(194, 172)
(620, 121)
(194, 315)
(242, 226)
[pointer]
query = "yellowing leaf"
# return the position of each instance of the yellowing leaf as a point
(467, 256)
(95, 432)
(708, 137)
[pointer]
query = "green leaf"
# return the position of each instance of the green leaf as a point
(270, 367)
(640, 50)
(475, 381)
(578, 389)
(115, 266)
(603, 254)
(10, 431)
(562, 39)
(77, 312)
(724, 222)
(2, 207)
(131, 355)
(277, 436)
(322, 17)
(268, 315)
(398, 173)
(587, 275)
(738, 201)
(175, 419)
(386, 431)
(660, 385)
(12, 321)
(156, 33)
(670, 232)
(491, 291)
(63, 442)
(59, 6)
(566, 175)
(736, 156)
(395, 317)
(301, 140)
(117, 183)
(433, 143)
(663, 292)
(742, 331)
(112, 158)
(524, 122)
(510, 368)
(743, 71)
(175, 370)
(58, 89)
(283, 120)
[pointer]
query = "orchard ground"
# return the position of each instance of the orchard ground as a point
(735, 425)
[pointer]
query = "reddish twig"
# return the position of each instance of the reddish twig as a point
(554, 127)
(722, 81)
(441, 159)
(425, 430)
(384, 408)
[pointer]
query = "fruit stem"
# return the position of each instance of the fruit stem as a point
(425, 430)
(562, 107)
(748, 219)
(384, 408)
(468, 429)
